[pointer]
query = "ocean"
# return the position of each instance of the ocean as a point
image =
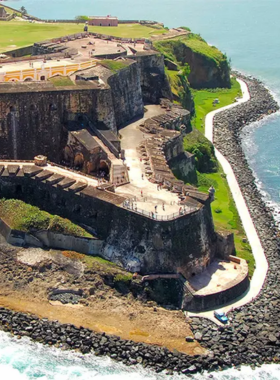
(248, 31)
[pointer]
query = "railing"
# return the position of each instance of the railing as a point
(155, 216)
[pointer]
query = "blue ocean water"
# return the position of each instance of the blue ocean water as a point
(248, 31)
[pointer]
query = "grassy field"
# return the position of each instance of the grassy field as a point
(24, 217)
(15, 34)
(225, 214)
(203, 100)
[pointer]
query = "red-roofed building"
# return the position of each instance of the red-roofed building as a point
(103, 21)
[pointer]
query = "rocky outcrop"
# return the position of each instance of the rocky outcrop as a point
(209, 68)
(204, 72)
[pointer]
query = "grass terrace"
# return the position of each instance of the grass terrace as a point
(24, 217)
(16, 34)
(203, 100)
(113, 65)
(61, 81)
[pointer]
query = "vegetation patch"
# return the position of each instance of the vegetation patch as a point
(61, 81)
(225, 214)
(203, 100)
(113, 65)
(19, 34)
(197, 144)
(24, 217)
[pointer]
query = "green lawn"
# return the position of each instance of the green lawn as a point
(203, 100)
(59, 81)
(224, 211)
(225, 214)
(15, 34)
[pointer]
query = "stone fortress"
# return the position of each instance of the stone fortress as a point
(112, 135)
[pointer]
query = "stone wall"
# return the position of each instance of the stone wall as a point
(33, 121)
(154, 82)
(50, 239)
(34, 118)
(126, 93)
(184, 245)
(234, 289)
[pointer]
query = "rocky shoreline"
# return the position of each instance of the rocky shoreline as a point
(253, 336)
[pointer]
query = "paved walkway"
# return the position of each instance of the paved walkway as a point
(259, 275)
(138, 186)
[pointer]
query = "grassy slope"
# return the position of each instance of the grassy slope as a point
(24, 217)
(203, 100)
(169, 48)
(227, 216)
(200, 46)
(21, 33)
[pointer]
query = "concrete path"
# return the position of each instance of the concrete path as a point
(261, 264)
(139, 185)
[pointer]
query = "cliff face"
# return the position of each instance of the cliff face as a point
(209, 68)
(204, 72)
(154, 82)
(126, 93)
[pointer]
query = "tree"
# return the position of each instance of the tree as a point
(81, 18)
(23, 10)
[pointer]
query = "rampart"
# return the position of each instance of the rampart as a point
(185, 244)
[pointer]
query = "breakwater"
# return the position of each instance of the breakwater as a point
(253, 335)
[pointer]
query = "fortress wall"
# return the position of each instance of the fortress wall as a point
(33, 122)
(127, 94)
(154, 82)
(184, 245)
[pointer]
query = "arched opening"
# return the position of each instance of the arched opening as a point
(32, 107)
(104, 169)
(43, 77)
(109, 24)
(29, 79)
(79, 161)
(68, 155)
(12, 109)
(100, 24)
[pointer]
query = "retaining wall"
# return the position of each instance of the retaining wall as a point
(50, 239)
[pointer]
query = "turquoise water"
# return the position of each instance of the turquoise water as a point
(248, 31)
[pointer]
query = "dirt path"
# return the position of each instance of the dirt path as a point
(129, 321)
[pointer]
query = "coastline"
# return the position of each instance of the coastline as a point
(252, 337)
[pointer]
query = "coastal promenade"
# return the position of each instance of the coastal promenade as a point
(261, 265)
